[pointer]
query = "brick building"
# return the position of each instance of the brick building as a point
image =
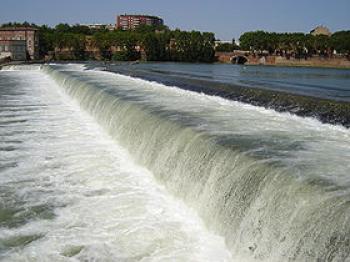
(130, 22)
(13, 49)
(28, 34)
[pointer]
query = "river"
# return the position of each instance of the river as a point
(317, 82)
(321, 93)
(100, 166)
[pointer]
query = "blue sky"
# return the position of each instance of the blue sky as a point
(226, 18)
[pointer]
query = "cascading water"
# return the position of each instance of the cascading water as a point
(276, 186)
(70, 193)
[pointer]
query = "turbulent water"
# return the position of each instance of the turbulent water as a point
(68, 191)
(91, 162)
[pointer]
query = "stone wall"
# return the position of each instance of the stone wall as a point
(316, 61)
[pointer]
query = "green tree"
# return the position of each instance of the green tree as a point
(103, 41)
(207, 50)
(152, 47)
(340, 41)
(62, 28)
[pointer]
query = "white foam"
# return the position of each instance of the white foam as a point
(317, 153)
(107, 208)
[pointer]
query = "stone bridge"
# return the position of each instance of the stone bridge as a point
(245, 57)
(235, 57)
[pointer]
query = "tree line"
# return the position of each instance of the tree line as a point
(299, 44)
(158, 43)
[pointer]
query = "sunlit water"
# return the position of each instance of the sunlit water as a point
(70, 193)
(316, 82)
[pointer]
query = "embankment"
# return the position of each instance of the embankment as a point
(273, 60)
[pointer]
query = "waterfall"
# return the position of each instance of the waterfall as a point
(266, 210)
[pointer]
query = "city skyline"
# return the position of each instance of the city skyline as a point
(227, 19)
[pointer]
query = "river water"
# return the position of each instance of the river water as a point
(98, 166)
(317, 82)
(69, 192)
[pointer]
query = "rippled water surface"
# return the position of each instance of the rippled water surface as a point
(318, 82)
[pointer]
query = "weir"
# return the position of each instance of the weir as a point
(272, 196)
(260, 206)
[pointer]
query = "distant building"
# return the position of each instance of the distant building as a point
(110, 27)
(321, 30)
(220, 42)
(131, 22)
(13, 49)
(28, 34)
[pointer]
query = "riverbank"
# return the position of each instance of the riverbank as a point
(272, 60)
(334, 63)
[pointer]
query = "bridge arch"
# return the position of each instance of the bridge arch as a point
(239, 59)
